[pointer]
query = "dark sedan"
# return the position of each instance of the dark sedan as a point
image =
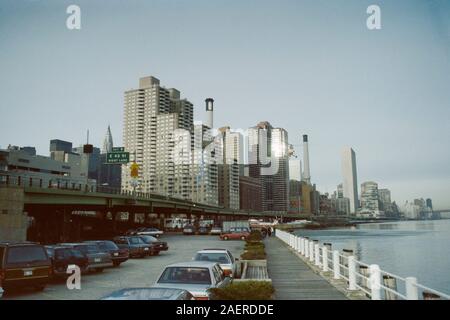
(136, 246)
(63, 257)
(98, 260)
(157, 246)
(118, 255)
(203, 230)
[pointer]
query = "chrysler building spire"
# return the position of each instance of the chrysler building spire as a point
(108, 142)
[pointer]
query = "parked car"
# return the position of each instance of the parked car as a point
(221, 256)
(62, 257)
(130, 232)
(236, 233)
(189, 229)
(156, 245)
(149, 232)
(194, 276)
(216, 231)
(97, 259)
(203, 230)
(136, 246)
(24, 264)
(150, 294)
(118, 255)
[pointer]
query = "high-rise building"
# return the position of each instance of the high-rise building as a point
(250, 194)
(340, 191)
(384, 196)
(369, 197)
(91, 161)
(151, 114)
(204, 166)
(60, 145)
(109, 174)
(269, 162)
(295, 169)
(229, 169)
(342, 206)
(350, 184)
(429, 203)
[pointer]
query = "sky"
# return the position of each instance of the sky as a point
(311, 67)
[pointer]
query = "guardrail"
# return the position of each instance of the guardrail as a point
(377, 284)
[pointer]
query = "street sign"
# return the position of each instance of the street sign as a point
(134, 170)
(118, 157)
(118, 149)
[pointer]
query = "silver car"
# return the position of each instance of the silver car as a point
(194, 276)
(149, 294)
(222, 256)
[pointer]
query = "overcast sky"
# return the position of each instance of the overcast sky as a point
(307, 66)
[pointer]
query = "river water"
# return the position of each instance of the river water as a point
(407, 248)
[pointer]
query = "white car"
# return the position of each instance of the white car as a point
(222, 256)
(149, 232)
(194, 276)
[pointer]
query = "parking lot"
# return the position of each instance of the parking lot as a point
(132, 273)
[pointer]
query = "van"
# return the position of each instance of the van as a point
(24, 264)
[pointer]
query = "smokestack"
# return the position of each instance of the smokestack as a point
(209, 112)
(306, 173)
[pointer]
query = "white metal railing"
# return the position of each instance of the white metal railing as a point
(377, 284)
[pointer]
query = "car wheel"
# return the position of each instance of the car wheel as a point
(243, 238)
(99, 270)
(225, 238)
(156, 253)
(116, 264)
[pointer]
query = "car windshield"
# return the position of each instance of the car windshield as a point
(26, 254)
(89, 248)
(149, 239)
(77, 253)
(185, 275)
(108, 245)
(213, 256)
(136, 240)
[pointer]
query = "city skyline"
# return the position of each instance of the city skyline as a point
(406, 156)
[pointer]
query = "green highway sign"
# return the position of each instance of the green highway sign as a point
(118, 149)
(118, 157)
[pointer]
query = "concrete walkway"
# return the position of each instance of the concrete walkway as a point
(292, 278)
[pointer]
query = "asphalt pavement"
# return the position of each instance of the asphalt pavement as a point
(132, 273)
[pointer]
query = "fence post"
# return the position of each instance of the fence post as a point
(324, 258)
(311, 251)
(391, 283)
(299, 244)
(306, 248)
(351, 273)
(412, 292)
(336, 265)
(375, 279)
(317, 254)
(365, 274)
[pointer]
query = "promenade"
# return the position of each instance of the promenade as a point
(292, 278)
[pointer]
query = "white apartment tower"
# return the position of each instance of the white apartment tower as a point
(350, 184)
(155, 121)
